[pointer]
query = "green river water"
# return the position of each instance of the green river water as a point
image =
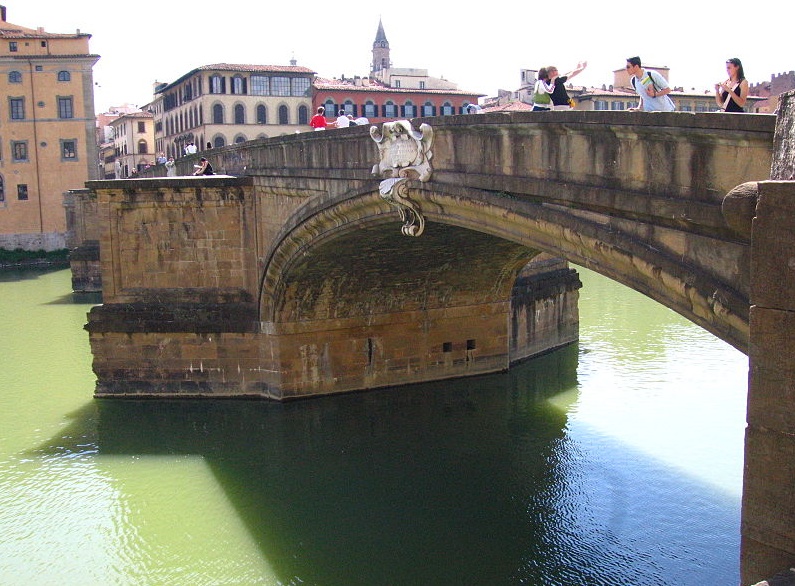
(614, 461)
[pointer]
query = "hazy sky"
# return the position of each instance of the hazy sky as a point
(481, 49)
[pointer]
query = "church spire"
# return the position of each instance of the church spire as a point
(380, 51)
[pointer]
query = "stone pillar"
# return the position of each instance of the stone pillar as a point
(768, 515)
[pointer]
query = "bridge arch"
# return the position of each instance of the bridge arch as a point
(360, 221)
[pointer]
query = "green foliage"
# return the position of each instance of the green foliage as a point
(18, 255)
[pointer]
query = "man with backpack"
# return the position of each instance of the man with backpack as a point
(651, 87)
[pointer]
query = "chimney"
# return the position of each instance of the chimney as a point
(3, 13)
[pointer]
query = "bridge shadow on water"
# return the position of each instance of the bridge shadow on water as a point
(473, 481)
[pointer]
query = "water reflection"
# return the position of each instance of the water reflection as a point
(530, 477)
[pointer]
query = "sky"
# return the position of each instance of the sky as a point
(480, 47)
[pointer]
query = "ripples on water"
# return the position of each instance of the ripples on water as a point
(615, 461)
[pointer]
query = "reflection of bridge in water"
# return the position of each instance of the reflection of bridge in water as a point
(295, 278)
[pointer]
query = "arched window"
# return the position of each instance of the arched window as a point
(283, 115)
(217, 84)
(240, 138)
(143, 148)
(447, 109)
(64, 76)
(218, 114)
(409, 110)
(14, 77)
(218, 142)
(370, 111)
(303, 115)
(390, 110)
(428, 109)
(238, 85)
(262, 114)
(240, 113)
(331, 109)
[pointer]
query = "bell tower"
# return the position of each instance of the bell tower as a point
(380, 51)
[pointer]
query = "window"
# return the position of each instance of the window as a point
(397, 83)
(330, 107)
(69, 149)
(22, 191)
(260, 85)
(303, 115)
(17, 108)
(14, 77)
(218, 142)
(218, 114)
(283, 116)
(300, 86)
(2, 190)
(19, 150)
(217, 85)
(13, 47)
(262, 114)
(428, 109)
(600, 105)
(240, 114)
(64, 76)
(143, 147)
(240, 138)
(141, 127)
(40, 68)
(280, 86)
(447, 109)
(238, 85)
(685, 108)
(422, 85)
(370, 111)
(390, 110)
(409, 110)
(65, 107)
(617, 105)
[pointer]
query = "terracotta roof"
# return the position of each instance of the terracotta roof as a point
(510, 107)
(324, 84)
(239, 68)
(13, 31)
(255, 68)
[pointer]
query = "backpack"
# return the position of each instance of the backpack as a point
(651, 77)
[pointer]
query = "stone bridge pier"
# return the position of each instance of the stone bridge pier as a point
(768, 510)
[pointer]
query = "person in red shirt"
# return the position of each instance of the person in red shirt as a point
(318, 121)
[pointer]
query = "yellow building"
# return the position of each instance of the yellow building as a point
(133, 143)
(47, 139)
(227, 103)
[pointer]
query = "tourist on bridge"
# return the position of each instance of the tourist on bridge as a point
(342, 120)
(204, 168)
(171, 167)
(318, 121)
(542, 92)
(732, 93)
(559, 95)
(651, 87)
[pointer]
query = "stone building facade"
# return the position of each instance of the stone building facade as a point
(133, 143)
(47, 139)
(770, 91)
(225, 103)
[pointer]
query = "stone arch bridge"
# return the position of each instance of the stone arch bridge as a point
(335, 261)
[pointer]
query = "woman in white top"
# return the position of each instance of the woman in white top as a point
(542, 101)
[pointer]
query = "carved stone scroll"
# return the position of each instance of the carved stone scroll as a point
(405, 154)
